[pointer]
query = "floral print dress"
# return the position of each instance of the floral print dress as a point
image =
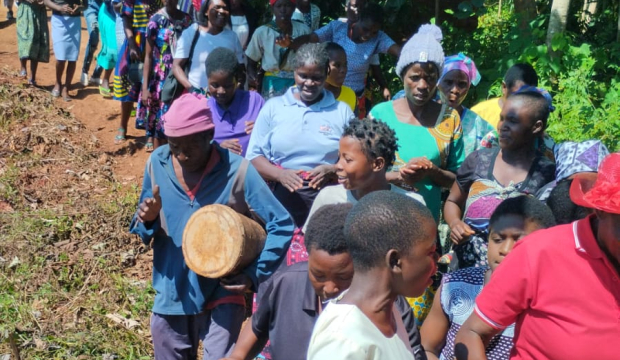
(163, 32)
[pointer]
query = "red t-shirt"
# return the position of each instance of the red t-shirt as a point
(561, 291)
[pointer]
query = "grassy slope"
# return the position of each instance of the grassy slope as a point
(66, 260)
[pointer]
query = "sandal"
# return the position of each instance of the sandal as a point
(31, 82)
(120, 137)
(55, 93)
(149, 147)
(23, 73)
(105, 92)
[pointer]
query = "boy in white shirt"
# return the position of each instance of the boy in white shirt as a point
(391, 239)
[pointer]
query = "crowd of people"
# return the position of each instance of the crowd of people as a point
(274, 120)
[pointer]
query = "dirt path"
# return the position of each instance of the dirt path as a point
(99, 115)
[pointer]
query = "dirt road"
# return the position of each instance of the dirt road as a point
(99, 115)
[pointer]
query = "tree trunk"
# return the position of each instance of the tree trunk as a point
(526, 9)
(618, 36)
(588, 10)
(557, 22)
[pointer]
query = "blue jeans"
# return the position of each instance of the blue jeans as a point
(92, 25)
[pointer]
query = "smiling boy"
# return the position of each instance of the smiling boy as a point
(366, 149)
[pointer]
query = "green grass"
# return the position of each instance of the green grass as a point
(54, 302)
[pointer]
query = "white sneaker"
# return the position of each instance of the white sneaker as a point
(84, 79)
(94, 81)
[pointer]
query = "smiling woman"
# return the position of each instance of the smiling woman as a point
(211, 33)
(306, 111)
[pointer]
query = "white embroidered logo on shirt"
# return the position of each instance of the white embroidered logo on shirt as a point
(325, 130)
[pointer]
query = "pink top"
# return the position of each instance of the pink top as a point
(562, 292)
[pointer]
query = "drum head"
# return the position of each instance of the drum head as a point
(213, 241)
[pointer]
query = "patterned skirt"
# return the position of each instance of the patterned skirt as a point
(33, 37)
(124, 90)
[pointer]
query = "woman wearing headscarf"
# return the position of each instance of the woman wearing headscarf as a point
(429, 134)
(459, 74)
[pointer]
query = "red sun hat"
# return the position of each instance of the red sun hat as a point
(601, 192)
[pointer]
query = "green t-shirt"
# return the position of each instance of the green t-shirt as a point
(442, 144)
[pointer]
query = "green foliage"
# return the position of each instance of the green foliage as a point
(579, 68)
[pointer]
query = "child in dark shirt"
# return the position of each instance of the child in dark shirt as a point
(391, 239)
(296, 296)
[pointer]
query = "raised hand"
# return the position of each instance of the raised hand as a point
(149, 209)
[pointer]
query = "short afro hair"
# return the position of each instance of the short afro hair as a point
(332, 46)
(563, 208)
(222, 60)
(527, 207)
(312, 54)
(535, 101)
(521, 72)
(376, 138)
(325, 229)
(385, 220)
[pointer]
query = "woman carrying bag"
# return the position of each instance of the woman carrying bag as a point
(135, 15)
(163, 31)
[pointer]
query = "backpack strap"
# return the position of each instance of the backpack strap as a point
(188, 64)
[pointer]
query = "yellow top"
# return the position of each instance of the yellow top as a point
(347, 96)
(489, 111)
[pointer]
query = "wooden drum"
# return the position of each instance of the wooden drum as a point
(218, 241)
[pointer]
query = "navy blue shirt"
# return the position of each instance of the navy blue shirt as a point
(179, 290)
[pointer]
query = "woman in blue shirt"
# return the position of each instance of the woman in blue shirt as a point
(294, 143)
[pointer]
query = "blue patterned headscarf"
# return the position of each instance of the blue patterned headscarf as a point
(463, 63)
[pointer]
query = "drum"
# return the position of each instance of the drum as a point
(218, 241)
